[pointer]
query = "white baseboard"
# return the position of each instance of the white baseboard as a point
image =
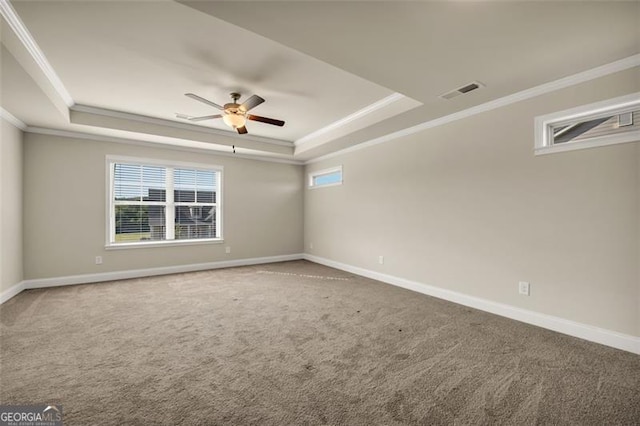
(12, 291)
(136, 273)
(583, 331)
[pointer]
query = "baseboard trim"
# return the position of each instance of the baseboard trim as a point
(11, 291)
(137, 273)
(583, 331)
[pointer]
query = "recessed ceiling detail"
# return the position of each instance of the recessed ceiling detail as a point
(384, 108)
(74, 66)
(118, 120)
(22, 33)
(164, 49)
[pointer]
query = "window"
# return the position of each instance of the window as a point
(327, 177)
(155, 203)
(602, 123)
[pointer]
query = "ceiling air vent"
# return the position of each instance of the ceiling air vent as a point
(470, 87)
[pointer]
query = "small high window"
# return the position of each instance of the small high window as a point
(603, 123)
(326, 177)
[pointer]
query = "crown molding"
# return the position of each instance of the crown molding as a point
(157, 145)
(581, 77)
(23, 34)
(169, 123)
(10, 118)
(382, 103)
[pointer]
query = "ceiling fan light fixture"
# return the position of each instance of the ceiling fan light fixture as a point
(234, 120)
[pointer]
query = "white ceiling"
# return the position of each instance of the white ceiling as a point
(315, 62)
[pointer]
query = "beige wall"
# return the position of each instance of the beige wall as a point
(10, 206)
(64, 209)
(467, 207)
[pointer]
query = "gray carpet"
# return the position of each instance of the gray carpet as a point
(297, 343)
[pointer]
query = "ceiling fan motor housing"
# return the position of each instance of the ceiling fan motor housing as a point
(232, 108)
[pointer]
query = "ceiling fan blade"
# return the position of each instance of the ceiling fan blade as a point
(205, 117)
(265, 120)
(242, 130)
(206, 101)
(192, 118)
(252, 102)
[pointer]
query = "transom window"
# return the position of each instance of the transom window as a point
(155, 203)
(603, 123)
(327, 177)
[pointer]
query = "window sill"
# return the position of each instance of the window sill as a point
(121, 246)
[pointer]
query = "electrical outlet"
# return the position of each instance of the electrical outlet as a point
(227, 250)
(381, 260)
(523, 288)
(310, 246)
(98, 260)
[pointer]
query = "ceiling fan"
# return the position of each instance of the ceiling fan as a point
(233, 114)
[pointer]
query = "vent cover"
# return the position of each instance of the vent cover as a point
(470, 87)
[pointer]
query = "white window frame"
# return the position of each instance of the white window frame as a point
(544, 125)
(169, 212)
(317, 173)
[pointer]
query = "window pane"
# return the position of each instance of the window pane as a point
(184, 196)
(195, 222)
(153, 183)
(125, 192)
(597, 127)
(184, 178)
(133, 182)
(139, 223)
(206, 196)
(126, 182)
(206, 186)
(195, 186)
(327, 179)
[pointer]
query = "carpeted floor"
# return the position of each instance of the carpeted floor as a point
(297, 343)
